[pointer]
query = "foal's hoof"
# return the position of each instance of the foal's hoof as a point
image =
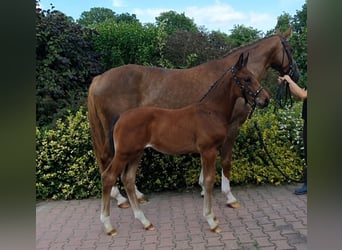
(216, 229)
(149, 228)
(142, 200)
(124, 205)
(112, 232)
(235, 204)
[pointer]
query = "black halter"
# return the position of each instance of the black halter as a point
(291, 72)
(246, 90)
(293, 65)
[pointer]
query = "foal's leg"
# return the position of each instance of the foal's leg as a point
(109, 178)
(208, 160)
(128, 178)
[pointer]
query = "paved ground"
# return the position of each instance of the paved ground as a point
(269, 218)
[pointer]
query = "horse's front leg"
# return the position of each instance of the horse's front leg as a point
(240, 113)
(208, 160)
(226, 161)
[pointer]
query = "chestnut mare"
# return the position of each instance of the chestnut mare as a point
(198, 128)
(130, 86)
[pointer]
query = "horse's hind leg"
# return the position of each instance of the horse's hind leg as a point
(128, 178)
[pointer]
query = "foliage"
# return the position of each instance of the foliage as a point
(65, 165)
(282, 134)
(66, 61)
(175, 21)
(124, 43)
(96, 15)
(99, 15)
(185, 49)
(241, 35)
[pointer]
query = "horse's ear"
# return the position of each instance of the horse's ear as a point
(245, 60)
(239, 63)
(287, 33)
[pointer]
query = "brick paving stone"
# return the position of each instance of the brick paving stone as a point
(269, 218)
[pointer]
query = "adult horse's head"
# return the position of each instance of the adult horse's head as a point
(288, 65)
(253, 92)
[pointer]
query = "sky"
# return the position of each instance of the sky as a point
(216, 15)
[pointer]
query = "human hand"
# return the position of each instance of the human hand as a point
(284, 78)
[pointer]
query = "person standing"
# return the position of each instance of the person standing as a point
(302, 95)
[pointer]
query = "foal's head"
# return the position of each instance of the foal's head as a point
(252, 91)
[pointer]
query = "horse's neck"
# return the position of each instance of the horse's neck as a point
(261, 55)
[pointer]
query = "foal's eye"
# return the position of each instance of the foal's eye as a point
(248, 80)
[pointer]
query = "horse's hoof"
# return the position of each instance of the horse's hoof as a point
(112, 232)
(124, 205)
(142, 200)
(235, 204)
(216, 229)
(149, 228)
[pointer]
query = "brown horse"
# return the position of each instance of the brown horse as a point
(198, 128)
(130, 86)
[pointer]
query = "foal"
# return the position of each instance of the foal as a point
(197, 128)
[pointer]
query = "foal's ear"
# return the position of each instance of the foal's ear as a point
(240, 63)
(245, 60)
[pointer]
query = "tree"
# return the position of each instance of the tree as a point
(241, 35)
(66, 61)
(185, 49)
(298, 41)
(96, 15)
(175, 21)
(127, 18)
(124, 43)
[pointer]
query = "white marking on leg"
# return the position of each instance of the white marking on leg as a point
(116, 195)
(138, 214)
(226, 190)
(138, 193)
(106, 222)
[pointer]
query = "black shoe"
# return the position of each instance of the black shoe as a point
(302, 190)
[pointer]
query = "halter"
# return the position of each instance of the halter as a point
(290, 72)
(293, 64)
(246, 90)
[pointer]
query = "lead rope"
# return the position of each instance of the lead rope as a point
(269, 156)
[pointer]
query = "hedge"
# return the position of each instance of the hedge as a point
(66, 168)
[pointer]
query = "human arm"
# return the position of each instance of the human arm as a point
(294, 88)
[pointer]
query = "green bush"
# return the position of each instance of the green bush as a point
(66, 168)
(65, 164)
(282, 135)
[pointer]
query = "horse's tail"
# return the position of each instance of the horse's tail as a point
(100, 140)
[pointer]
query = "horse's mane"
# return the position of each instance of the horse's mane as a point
(247, 45)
